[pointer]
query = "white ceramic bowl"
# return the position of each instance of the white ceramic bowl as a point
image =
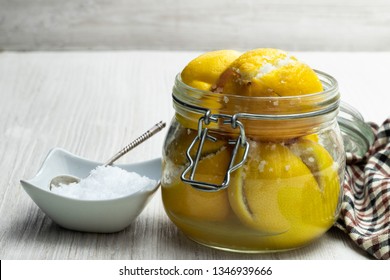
(103, 216)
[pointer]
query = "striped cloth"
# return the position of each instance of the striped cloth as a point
(365, 210)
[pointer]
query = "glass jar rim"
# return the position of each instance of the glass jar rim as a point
(267, 106)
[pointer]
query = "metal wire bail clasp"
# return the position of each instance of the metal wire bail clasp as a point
(239, 143)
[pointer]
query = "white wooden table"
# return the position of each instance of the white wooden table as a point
(92, 103)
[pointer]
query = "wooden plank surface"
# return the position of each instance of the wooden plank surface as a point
(92, 103)
(321, 25)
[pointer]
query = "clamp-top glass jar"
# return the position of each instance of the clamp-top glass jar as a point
(253, 174)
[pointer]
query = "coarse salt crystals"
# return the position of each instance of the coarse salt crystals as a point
(105, 182)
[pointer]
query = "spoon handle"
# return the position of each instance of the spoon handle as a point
(152, 131)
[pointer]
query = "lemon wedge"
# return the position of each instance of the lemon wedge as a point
(258, 194)
(286, 187)
(186, 201)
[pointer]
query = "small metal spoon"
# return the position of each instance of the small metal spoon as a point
(69, 179)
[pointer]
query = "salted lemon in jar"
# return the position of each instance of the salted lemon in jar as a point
(254, 159)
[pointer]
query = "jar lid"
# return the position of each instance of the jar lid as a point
(357, 135)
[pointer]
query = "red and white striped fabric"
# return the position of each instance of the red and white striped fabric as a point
(365, 210)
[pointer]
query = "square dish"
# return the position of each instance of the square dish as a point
(102, 216)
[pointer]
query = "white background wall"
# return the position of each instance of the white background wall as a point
(319, 25)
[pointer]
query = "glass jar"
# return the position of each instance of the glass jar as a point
(253, 174)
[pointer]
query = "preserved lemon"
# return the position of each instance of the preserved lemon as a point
(269, 72)
(204, 71)
(287, 191)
